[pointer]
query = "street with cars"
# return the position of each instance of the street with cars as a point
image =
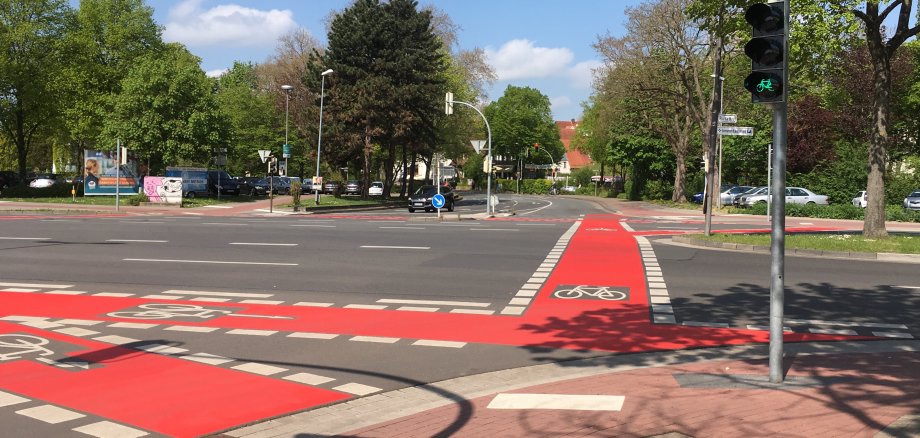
(227, 319)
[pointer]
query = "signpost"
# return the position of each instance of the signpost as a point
(736, 130)
(437, 201)
(728, 118)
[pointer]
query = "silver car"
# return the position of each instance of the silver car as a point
(912, 201)
(794, 195)
(739, 198)
(860, 199)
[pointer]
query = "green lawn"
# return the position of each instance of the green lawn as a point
(308, 201)
(80, 200)
(895, 243)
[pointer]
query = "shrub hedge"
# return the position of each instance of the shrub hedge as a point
(834, 211)
(55, 191)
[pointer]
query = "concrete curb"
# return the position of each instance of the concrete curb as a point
(882, 256)
(375, 409)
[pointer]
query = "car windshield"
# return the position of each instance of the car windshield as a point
(377, 184)
(222, 175)
(426, 191)
(914, 194)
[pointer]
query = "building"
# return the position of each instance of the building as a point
(573, 159)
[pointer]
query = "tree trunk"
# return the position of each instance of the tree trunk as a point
(680, 178)
(405, 172)
(368, 147)
(874, 225)
(22, 149)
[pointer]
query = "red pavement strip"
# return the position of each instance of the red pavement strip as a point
(181, 398)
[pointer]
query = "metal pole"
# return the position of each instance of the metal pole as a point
(434, 159)
(721, 100)
(713, 132)
(769, 178)
(319, 140)
(117, 173)
(489, 209)
(271, 186)
(287, 98)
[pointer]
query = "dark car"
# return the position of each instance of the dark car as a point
(8, 178)
(280, 185)
(332, 187)
(219, 181)
(353, 187)
(421, 199)
(253, 186)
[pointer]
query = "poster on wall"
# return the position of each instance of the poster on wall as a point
(99, 174)
(163, 189)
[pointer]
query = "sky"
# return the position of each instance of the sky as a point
(544, 44)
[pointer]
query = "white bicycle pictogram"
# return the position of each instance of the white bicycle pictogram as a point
(601, 292)
(22, 345)
(166, 311)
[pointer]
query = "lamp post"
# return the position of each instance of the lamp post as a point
(286, 150)
(319, 140)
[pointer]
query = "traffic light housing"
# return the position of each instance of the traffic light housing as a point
(767, 50)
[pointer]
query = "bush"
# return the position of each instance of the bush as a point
(834, 211)
(528, 186)
(55, 191)
(138, 199)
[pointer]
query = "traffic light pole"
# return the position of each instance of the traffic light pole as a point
(711, 147)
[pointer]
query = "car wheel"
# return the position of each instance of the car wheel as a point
(252, 193)
(761, 202)
(190, 195)
(810, 203)
(411, 210)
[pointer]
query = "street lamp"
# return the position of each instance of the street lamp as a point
(319, 140)
(286, 151)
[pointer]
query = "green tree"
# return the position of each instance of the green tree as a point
(32, 57)
(166, 112)
(251, 114)
(520, 118)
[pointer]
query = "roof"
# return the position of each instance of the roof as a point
(576, 158)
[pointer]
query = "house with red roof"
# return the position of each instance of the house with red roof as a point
(573, 158)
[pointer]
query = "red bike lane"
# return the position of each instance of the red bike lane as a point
(182, 398)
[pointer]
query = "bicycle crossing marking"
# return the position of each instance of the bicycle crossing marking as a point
(585, 292)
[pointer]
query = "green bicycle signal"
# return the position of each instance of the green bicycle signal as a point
(765, 84)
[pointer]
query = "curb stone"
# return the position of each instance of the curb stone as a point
(882, 256)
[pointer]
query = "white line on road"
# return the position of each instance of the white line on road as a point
(259, 316)
(434, 303)
(395, 247)
(402, 228)
(216, 262)
(39, 285)
(558, 401)
(25, 238)
(263, 244)
(313, 225)
(142, 222)
(136, 241)
(494, 229)
(224, 223)
(217, 294)
(217, 206)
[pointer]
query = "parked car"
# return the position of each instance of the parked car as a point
(219, 181)
(737, 199)
(8, 178)
(353, 187)
(569, 189)
(46, 180)
(912, 201)
(194, 180)
(860, 199)
(421, 199)
(726, 192)
(376, 189)
(306, 187)
(794, 195)
(253, 186)
(280, 185)
(332, 187)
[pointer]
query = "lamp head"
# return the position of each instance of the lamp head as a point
(287, 87)
(326, 72)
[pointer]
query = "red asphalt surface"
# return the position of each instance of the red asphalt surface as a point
(179, 398)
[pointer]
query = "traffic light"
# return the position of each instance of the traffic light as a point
(767, 50)
(536, 146)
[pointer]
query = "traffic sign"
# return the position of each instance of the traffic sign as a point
(264, 154)
(286, 151)
(728, 118)
(478, 144)
(437, 201)
(736, 130)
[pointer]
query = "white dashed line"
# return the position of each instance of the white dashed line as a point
(42, 286)
(308, 379)
(445, 344)
(252, 332)
(258, 368)
(132, 325)
(214, 262)
(217, 294)
(191, 328)
(376, 339)
(263, 244)
(365, 306)
(50, 414)
(395, 247)
(7, 399)
(137, 241)
(76, 331)
(108, 429)
(417, 309)
(356, 389)
(309, 335)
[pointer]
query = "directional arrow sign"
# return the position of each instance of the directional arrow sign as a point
(478, 144)
(736, 130)
(437, 201)
(728, 118)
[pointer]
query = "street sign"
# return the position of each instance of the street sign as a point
(264, 154)
(318, 182)
(736, 130)
(728, 118)
(478, 144)
(286, 151)
(437, 201)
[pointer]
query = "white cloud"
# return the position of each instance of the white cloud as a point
(582, 74)
(559, 102)
(228, 24)
(216, 73)
(519, 59)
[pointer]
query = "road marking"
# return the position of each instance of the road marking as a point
(513, 310)
(356, 389)
(38, 285)
(308, 335)
(137, 241)
(845, 324)
(215, 262)
(263, 244)
(225, 223)
(365, 306)
(108, 429)
(217, 294)
(76, 331)
(313, 225)
(308, 379)
(832, 332)
(473, 311)
(217, 206)
(132, 325)
(313, 304)
(627, 227)
(272, 302)
(704, 324)
(190, 328)
(162, 349)
(112, 294)
(19, 290)
(446, 344)
(115, 339)
(402, 228)
(494, 229)
(7, 399)
(258, 368)
(395, 247)
(205, 358)
(252, 332)
(893, 335)
(434, 303)
(418, 309)
(902, 287)
(377, 339)
(50, 414)
(558, 401)
(210, 299)
(66, 292)
(162, 297)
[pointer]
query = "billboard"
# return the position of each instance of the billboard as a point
(99, 174)
(163, 189)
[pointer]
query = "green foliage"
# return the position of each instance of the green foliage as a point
(296, 189)
(836, 211)
(137, 199)
(520, 118)
(582, 177)
(472, 169)
(528, 186)
(839, 179)
(899, 184)
(252, 118)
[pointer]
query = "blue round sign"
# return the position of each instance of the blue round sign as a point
(437, 201)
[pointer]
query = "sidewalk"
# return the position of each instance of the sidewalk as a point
(853, 389)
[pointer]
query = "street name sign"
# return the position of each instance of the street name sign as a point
(728, 118)
(736, 130)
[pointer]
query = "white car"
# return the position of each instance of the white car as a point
(912, 201)
(376, 189)
(860, 199)
(794, 195)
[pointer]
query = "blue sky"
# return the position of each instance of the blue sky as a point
(544, 44)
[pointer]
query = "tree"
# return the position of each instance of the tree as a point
(881, 52)
(521, 118)
(252, 116)
(31, 59)
(166, 112)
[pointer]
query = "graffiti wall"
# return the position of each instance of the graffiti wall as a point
(163, 189)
